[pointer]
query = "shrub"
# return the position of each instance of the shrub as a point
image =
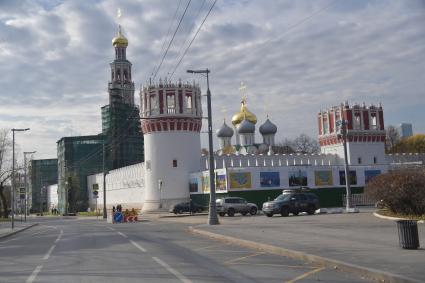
(401, 191)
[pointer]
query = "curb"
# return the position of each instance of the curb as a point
(182, 215)
(17, 231)
(376, 214)
(369, 273)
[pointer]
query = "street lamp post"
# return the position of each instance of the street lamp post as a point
(212, 215)
(26, 182)
(343, 133)
(13, 173)
(104, 179)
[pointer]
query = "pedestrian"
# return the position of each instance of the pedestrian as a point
(113, 209)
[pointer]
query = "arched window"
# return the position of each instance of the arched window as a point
(188, 103)
(357, 121)
(171, 104)
(125, 75)
(118, 74)
(374, 121)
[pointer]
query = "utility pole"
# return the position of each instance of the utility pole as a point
(104, 178)
(343, 133)
(26, 182)
(212, 215)
(13, 173)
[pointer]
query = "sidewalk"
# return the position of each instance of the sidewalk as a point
(6, 227)
(357, 239)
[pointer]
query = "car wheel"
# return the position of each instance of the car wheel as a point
(269, 214)
(295, 213)
(253, 211)
(231, 212)
(284, 211)
(175, 211)
(311, 210)
(244, 213)
(180, 211)
(222, 214)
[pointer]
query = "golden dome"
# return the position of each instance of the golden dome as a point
(120, 40)
(244, 113)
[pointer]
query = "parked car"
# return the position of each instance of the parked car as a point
(292, 202)
(232, 205)
(186, 207)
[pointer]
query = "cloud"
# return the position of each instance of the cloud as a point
(55, 55)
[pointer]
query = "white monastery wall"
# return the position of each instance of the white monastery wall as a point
(125, 186)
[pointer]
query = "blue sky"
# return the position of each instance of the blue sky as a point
(55, 55)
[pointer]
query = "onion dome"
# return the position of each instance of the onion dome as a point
(224, 131)
(268, 128)
(246, 127)
(120, 40)
(244, 114)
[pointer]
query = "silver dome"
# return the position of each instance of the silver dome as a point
(224, 131)
(268, 128)
(246, 127)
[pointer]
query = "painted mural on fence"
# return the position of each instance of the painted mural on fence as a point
(220, 183)
(240, 180)
(269, 179)
(370, 174)
(323, 178)
(353, 178)
(297, 178)
(206, 184)
(193, 185)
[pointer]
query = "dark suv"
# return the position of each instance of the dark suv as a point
(292, 202)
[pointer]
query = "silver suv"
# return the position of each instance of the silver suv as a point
(232, 205)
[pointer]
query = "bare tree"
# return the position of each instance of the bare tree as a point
(284, 147)
(306, 144)
(392, 138)
(5, 170)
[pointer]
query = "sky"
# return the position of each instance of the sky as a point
(295, 58)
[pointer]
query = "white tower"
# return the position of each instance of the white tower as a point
(365, 133)
(171, 129)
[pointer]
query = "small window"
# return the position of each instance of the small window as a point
(375, 160)
(359, 160)
(174, 162)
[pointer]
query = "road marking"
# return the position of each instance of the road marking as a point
(122, 234)
(18, 238)
(273, 265)
(110, 228)
(243, 257)
(180, 276)
(34, 274)
(49, 252)
(138, 246)
(211, 246)
(304, 275)
(59, 236)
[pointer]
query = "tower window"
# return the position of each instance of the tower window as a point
(374, 121)
(171, 104)
(174, 162)
(188, 102)
(357, 121)
(375, 160)
(359, 160)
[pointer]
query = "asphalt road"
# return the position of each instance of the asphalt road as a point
(70, 250)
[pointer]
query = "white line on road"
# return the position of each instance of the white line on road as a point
(49, 252)
(138, 246)
(180, 276)
(34, 274)
(124, 235)
(59, 237)
(110, 228)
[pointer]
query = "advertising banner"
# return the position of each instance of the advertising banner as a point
(206, 184)
(370, 174)
(220, 183)
(323, 178)
(353, 178)
(298, 178)
(240, 180)
(269, 179)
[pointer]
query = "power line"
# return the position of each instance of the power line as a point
(171, 41)
(193, 39)
(190, 33)
(168, 32)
